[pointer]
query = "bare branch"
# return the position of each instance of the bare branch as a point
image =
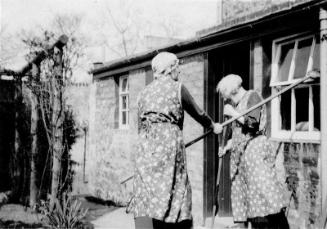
(44, 118)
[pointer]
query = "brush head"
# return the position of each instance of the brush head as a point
(312, 75)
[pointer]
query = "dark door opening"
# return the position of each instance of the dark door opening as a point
(7, 128)
(218, 63)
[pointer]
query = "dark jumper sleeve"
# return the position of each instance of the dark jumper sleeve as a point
(252, 120)
(193, 109)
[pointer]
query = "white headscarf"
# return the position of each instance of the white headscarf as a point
(163, 64)
(228, 84)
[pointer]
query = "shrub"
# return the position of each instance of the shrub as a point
(66, 213)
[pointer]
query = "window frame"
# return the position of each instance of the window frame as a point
(276, 131)
(120, 106)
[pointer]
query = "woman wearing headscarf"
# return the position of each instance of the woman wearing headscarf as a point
(161, 190)
(257, 195)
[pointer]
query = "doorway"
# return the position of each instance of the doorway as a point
(7, 128)
(218, 63)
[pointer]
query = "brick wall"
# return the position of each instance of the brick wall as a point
(192, 73)
(110, 151)
(232, 9)
(302, 176)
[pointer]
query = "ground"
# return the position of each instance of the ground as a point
(18, 216)
(101, 215)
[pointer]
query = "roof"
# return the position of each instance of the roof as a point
(203, 36)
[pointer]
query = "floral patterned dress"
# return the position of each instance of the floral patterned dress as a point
(255, 189)
(161, 186)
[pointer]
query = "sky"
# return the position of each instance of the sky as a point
(186, 16)
(18, 14)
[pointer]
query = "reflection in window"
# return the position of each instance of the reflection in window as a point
(302, 58)
(302, 109)
(285, 108)
(285, 61)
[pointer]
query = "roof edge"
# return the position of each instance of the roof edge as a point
(214, 32)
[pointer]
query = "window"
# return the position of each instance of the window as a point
(295, 114)
(123, 102)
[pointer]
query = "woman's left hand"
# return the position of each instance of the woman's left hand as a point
(229, 110)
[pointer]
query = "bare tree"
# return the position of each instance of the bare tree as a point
(55, 73)
(125, 25)
(10, 47)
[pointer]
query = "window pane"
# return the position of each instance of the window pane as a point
(124, 118)
(302, 58)
(124, 85)
(285, 110)
(302, 109)
(285, 61)
(316, 56)
(316, 105)
(124, 102)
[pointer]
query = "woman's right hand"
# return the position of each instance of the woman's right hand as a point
(229, 110)
(223, 150)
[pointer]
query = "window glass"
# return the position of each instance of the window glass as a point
(302, 58)
(316, 105)
(124, 102)
(316, 56)
(299, 108)
(285, 109)
(124, 85)
(285, 61)
(302, 109)
(124, 118)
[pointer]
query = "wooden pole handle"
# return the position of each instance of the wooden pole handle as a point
(263, 102)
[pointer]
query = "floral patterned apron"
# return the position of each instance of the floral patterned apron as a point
(161, 185)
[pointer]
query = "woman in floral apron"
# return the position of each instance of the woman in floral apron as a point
(257, 196)
(162, 192)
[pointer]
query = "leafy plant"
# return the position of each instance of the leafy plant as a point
(66, 213)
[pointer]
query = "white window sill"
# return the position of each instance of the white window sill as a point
(123, 127)
(297, 137)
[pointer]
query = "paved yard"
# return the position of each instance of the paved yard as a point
(118, 219)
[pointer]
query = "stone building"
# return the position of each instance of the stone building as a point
(270, 46)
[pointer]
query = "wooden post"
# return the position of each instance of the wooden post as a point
(323, 102)
(33, 130)
(84, 156)
(57, 123)
(15, 169)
